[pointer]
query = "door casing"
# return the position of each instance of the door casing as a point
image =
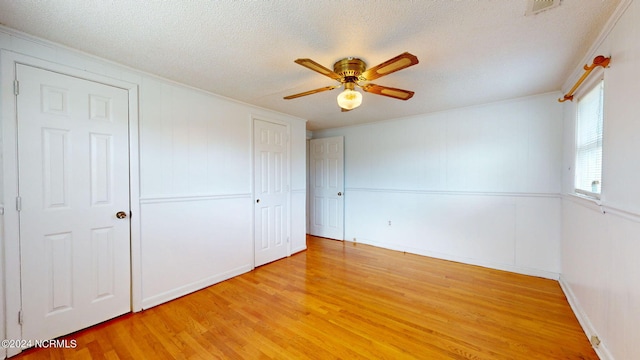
(10, 295)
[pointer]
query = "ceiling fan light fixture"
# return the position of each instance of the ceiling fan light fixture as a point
(349, 99)
(353, 71)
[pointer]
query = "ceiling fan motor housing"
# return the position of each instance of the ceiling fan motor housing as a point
(349, 68)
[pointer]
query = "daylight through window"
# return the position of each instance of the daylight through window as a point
(588, 178)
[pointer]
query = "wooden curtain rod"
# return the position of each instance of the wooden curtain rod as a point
(597, 61)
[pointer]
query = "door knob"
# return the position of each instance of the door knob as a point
(121, 214)
(340, 193)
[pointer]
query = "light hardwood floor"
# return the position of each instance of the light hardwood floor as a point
(348, 301)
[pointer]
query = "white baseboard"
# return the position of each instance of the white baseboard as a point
(588, 328)
(192, 287)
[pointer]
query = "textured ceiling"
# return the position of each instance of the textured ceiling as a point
(470, 51)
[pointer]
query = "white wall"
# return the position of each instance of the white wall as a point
(478, 185)
(196, 188)
(196, 195)
(601, 244)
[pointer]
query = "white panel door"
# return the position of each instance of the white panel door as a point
(271, 192)
(326, 172)
(73, 153)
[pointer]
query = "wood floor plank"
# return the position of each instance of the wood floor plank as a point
(342, 300)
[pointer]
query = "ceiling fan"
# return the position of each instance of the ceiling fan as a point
(352, 72)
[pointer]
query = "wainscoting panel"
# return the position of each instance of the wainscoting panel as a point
(515, 232)
(193, 243)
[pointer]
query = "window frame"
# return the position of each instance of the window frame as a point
(596, 80)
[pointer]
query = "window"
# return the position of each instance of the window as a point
(588, 178)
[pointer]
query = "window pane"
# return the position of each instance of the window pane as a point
(589, 141)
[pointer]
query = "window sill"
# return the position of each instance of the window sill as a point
(594, 197)
(586, 201)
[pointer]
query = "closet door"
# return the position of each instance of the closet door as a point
(271, 162)
(73, 156)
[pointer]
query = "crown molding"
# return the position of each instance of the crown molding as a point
(588, 57)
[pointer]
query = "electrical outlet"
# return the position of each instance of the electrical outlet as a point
(389, 222)
(354, 240)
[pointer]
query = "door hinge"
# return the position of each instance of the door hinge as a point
(20, 318)
(16, 87)
(18, 203)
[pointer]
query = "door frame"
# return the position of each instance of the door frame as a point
(255, 117)
(11, 293)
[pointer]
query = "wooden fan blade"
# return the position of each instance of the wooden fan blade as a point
(326, 88)
(310, 64)
(345, 110)
(388, 91)
(399, 62)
